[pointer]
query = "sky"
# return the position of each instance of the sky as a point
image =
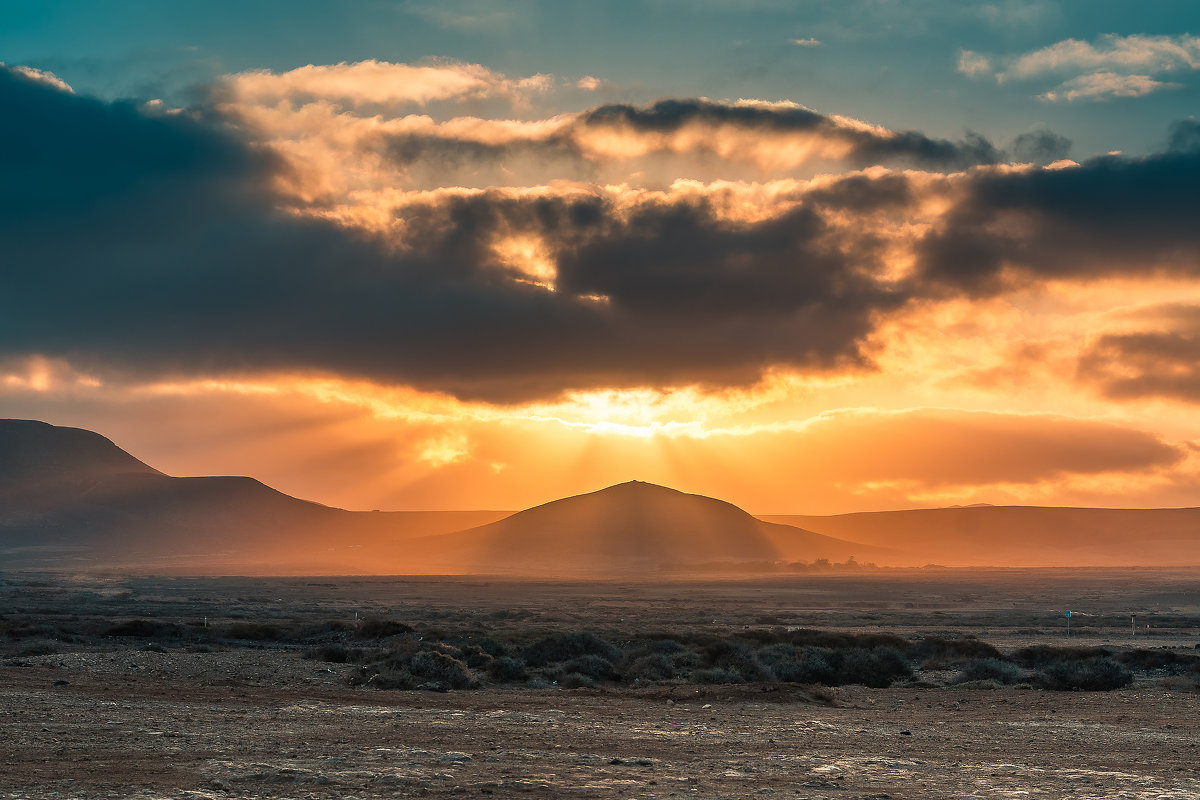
(814, 257)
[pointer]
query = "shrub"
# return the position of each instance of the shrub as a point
(1180, 683)
(739, 658)
(565, 646)
(593, 666)
(576, 680)
(145, 629)
(1040, 655)
(506, 669)
(441, 669)
(1096, 674)
(380, 628)
(475, 656)
(990, 669)
(801, 665)
(716, 675)
(878, 668)
(651, 667)
(333, 653)
(38, 648)
(934, 651)
(834, 640)
(1169, 660)
(254, 632)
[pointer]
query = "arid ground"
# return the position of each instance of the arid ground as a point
(141, 687)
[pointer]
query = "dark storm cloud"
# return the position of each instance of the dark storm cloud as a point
(1111, 216)
(142, 243)
(1040, 147)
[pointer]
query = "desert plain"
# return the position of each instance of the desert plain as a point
(193, 687)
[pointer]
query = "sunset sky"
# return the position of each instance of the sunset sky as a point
(806, 257)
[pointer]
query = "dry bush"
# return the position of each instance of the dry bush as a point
(334, 653)
(506, 669)
(1182, 683)
(836, 640)
(561, 647)
(793, 664)
(38, 647)
(651, 667)
(145, 629)
(878, 668)
(1159, 659)
(936, 652)
(255, 632)
(380, 628)
(990, 669)
(1041, 655)
(442, 670)
(1096, 674)
(739, 659)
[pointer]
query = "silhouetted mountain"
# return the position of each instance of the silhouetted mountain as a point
(627, 528)
(70, 497)
(1022, 535)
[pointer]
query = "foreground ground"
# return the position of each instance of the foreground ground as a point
(108, 717)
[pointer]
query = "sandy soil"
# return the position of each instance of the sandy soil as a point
(113, 720)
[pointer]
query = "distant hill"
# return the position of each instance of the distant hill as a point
(71, 498)
(1022, 535)
(627, 528)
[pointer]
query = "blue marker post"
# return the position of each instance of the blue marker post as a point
(1068, 623)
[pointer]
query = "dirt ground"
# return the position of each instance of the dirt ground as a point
(110, 719)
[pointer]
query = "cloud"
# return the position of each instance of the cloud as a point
(1122, 54)
(809, 42)
(187, 266)
(1104, 86)
(1156, 354)
(190, 253)
(1040, 147)
(973, 64)
(936, 448)
(1115, 66)
(375, 83)
(1110, 216)
(44, 76)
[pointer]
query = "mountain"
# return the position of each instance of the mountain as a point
(71, 498)
(630, 527)
(1022, 535)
